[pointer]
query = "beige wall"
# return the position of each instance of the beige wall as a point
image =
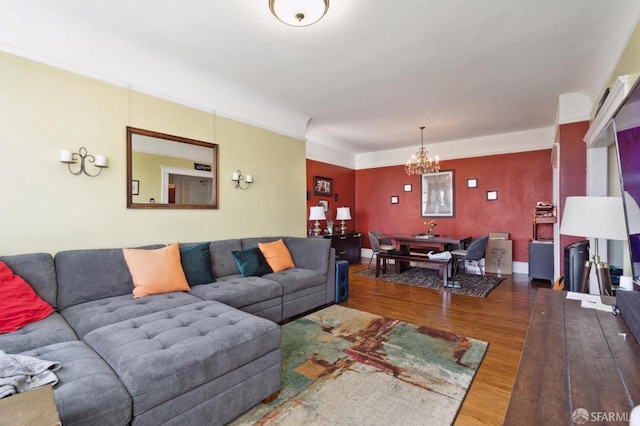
(629, 62)
(45, 208)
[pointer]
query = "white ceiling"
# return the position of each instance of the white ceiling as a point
(362, 79)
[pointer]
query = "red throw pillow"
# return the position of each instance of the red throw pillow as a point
(19, 304)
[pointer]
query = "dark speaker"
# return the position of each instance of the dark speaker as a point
(342, 281)
(574, 257)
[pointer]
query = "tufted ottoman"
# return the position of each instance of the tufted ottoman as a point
(180, 364)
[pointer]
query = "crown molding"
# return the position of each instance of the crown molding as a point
(595, 137)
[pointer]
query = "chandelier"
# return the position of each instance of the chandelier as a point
(299, 13)
(421, 163)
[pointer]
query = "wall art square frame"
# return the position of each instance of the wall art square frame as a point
(325, 204)
(395, 199)
(408, 187)
(135, 187)
(437, 198)
(472, 183)
(492, 195)
(322, 186)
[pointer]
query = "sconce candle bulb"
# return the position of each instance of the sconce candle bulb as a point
(70, 158)
(65, 156)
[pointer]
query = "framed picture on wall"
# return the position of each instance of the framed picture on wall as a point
(437, 196)
(322, 186)
(325, 204)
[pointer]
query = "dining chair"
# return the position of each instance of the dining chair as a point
(377, 245)
(474, 254)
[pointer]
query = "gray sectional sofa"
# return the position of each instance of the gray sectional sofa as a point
(201, 357)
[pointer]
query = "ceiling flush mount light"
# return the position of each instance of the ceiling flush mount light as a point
(421, 163)
(299, 13)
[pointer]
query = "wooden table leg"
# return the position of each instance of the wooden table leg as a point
(377, 265)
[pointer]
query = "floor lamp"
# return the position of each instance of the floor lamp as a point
(595, 217)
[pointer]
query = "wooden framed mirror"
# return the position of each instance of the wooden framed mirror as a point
(170, 172)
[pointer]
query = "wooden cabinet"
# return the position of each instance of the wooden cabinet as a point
(572, 358)
(347, 246)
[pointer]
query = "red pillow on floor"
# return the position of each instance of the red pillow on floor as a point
(19, 304)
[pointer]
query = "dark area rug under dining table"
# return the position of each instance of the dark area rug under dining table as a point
(470, 284)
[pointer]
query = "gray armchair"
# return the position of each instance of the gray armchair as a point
(474, 253)
(378, 245)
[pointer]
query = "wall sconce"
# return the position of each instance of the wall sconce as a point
(238, 177)
(99, 161)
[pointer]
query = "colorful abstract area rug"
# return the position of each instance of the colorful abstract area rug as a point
(341, 366)
(470, 284)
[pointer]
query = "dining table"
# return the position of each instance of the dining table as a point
(404, 242)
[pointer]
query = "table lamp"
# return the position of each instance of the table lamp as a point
(595, 217)
(316, 213)
(344, 213)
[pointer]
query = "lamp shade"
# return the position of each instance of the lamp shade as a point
(299, 13)
(595, 217)
(317, 213)
(344, 213)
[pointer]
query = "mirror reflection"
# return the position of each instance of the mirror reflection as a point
(627, 123)
(166, 171)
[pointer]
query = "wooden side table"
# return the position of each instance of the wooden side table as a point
(34, 408)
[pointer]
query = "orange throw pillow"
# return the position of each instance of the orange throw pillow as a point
(277, 255)
(156, 271)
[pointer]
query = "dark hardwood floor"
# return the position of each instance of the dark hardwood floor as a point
(501, 319)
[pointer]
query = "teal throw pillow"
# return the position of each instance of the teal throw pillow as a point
(196, 263)
(251, 262)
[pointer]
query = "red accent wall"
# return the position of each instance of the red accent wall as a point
(521, 180)
(572, 171)
(343, 185)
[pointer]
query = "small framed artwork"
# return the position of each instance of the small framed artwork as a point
(472, 183)
(407, 187)
(322, 186)
(395, 199)
(325, 204)
(135, 187)
(492, 195)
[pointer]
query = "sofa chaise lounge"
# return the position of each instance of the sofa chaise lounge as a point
(199, 357)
